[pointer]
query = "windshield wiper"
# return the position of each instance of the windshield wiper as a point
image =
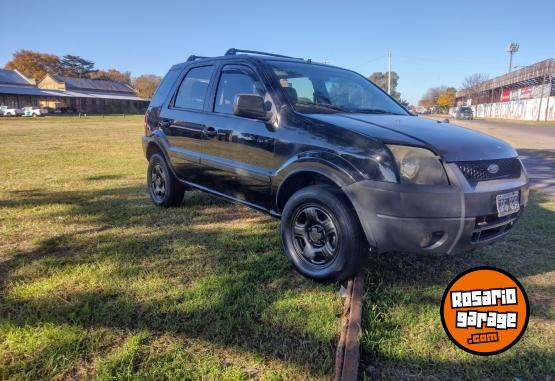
(323, 105)
(333, 107)
(374, 111)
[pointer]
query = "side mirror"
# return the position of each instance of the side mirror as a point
(250, 106)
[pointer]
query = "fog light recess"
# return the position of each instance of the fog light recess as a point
(433, 240)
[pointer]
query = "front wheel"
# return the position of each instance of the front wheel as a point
(321, 234)
(163, 188)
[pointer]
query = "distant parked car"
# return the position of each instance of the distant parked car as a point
(34, 111)
(464, 113)
(10, 111)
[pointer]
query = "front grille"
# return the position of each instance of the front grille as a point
(491, 226)
(475, 171)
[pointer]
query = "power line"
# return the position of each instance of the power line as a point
(389, 73)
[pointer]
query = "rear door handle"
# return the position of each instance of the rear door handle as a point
(210, 132)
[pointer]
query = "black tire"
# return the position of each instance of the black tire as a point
(321, 234)
(163, 188)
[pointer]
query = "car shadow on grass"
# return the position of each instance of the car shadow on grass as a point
(402, 336)
(208, 270)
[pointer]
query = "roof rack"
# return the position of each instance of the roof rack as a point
(233, 51)
(194, 58)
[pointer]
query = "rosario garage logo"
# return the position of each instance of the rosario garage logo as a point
(485, 310)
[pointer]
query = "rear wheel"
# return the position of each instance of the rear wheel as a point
(321, 234)
(164, 189)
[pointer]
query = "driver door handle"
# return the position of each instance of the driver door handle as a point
(210, 132)
(164, 123)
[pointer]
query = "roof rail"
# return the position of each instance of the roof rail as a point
(194, 58)
(233, 51)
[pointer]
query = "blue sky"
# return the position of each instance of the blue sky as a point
(432, 42)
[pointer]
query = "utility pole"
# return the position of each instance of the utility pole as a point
(389, 74)
(512, 49)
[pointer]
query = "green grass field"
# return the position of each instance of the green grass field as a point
(402, 336)
(96, 283)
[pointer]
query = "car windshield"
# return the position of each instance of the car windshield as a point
(313, 88)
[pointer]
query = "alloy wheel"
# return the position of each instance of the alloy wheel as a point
(158, 182)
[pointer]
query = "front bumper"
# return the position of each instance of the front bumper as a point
(442, 219)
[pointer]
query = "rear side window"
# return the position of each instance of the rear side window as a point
(193, 88)
(162, 91)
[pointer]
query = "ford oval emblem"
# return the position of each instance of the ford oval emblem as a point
(493, 169)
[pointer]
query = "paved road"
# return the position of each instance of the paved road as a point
(541, 169)
(534, 143)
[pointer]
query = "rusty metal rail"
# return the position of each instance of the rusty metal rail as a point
(347, 353)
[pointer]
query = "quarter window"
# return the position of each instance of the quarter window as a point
(193, 88)
(235, 81)
(303, 86)
(163, 89)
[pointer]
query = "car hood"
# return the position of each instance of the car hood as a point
(451, 142)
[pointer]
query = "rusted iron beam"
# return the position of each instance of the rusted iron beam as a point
(347, 354)
(340, 350)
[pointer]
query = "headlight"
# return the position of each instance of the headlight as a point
(418, 166)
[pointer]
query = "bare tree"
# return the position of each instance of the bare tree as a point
(471, 84)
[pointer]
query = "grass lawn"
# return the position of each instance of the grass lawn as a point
(402, 337)
(97, 283)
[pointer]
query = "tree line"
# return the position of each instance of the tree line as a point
(381, 79)
(36, 65)
(441, 98)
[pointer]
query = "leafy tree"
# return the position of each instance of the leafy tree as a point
(75, 66)
(112, 75)
(380, 79)
(429, 98)
(34, 65)
(441, 97)
(146, 84)
(446, 98)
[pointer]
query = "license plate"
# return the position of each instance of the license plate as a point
(507, 203)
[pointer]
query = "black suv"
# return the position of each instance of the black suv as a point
(347, 169)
